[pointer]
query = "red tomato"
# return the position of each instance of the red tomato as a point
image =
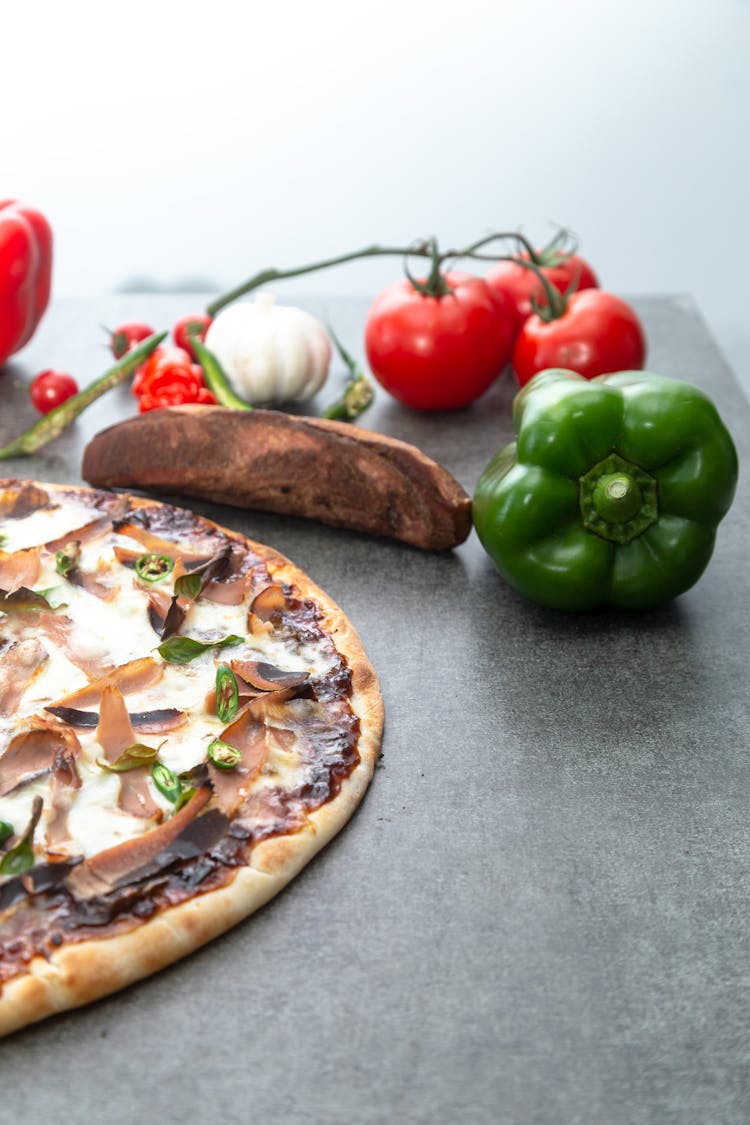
(521, 284)
(126, 336)
(438, 353)
(197, 324)
(598, 333)
(51, 388)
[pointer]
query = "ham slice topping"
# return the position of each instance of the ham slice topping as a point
(18, 666)
(47, 747)
(120, 864)
(133, 676)
(114, 734)
(19, 568)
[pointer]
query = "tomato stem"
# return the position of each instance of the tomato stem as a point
(423, 248)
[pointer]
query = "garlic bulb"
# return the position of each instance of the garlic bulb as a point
(270, 352)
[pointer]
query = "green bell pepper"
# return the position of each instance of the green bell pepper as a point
(612, 492)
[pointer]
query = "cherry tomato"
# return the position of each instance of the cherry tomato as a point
(439, 353)
(51, 388)
(521, 284)
(196, 324)
(126, 336)
(598, 333)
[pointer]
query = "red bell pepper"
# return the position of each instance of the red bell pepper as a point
(25, 273)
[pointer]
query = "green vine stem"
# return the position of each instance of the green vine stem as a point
(52, 425)
(435, 285)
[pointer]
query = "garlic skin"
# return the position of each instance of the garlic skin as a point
(269, 352)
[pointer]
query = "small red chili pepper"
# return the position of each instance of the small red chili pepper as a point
(169, 378)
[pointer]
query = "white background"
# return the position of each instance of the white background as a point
(199, 142)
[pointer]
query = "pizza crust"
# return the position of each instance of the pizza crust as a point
(84, 971)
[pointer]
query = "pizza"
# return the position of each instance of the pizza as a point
(185, 720)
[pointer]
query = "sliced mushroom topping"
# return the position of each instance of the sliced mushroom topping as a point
(121, 864)
(20, 663)
(145, 722)
(158, 545)
(33, 753)
(133, 676)
(233, 585)
(269, 604)
(19, 568)
(16, 503)
(93, 530)
(267, 677)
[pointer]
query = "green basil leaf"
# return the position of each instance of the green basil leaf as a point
(18, 859)
(181, 650)
(6, 831)
(131, 758)
(188, 586)
(68, 558)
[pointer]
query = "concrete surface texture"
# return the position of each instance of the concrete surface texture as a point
(539, 913)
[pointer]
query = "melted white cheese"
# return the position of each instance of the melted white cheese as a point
(113, 632)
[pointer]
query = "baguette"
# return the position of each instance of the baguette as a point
(271, 461)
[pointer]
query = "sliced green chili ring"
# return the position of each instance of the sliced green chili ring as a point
(227, 693)
(167, 782)
(152, 567)
(223, 755)
(6, 831)
(18, 859)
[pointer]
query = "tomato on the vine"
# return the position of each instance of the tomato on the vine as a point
(594, 333)
(126, 336)
(520, 284)
(439, 352)
(196, 324)
(51, 388)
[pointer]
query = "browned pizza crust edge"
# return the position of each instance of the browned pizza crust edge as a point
(85, 971)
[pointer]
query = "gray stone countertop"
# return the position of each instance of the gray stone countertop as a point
(539, 913)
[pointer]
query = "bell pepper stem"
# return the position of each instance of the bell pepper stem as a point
(52, 425)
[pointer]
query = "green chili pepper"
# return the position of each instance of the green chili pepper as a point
(52, 425)
(216, 379)
(167, 782)
(227, 693)
(6, 831)
(152, 568)
(611, 494)
(184, 797)
(181, 650)
(358, 393)
(223, 755)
